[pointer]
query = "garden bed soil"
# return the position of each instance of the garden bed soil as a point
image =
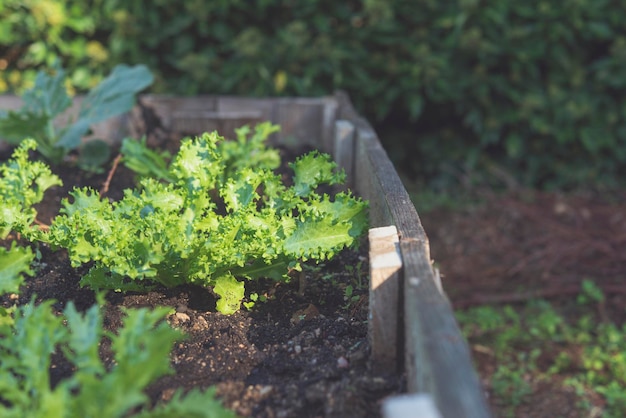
(302, 353)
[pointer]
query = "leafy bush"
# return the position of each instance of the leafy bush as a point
(212, 223)
(217, 211)
(35, 34)
(531, 87)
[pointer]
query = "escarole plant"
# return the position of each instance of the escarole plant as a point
(32, 334)
(216, 215)
(22, 185)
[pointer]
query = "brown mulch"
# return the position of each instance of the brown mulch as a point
(519, 246)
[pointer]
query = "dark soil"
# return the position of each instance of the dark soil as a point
(522, 245)
(303, 353)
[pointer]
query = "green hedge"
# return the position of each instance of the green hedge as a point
(532, 88)
(36, 33)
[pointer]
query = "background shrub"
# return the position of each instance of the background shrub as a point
(36, 33)
(525, 92)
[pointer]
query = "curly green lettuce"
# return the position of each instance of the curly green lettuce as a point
(220, 218)
(22, 185)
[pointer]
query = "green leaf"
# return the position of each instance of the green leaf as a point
(249, 151)
(312, 170)
(145, 161)
(261, 268)
(41, 104)
(231, 292)
(48, 97)
(84, 342)
(317, 239)
(25, 353)
(141, 349)
(240, 193)
(93, 155)
(17, 125)
(113, 96)
(14, 264)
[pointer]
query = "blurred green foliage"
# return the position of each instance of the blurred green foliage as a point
(529, 89)
(35, 33)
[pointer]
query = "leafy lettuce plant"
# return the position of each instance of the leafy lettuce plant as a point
(48, 98)
(30, 334)
(248, 150)
(219, 217)
(22, 185)
(33, 333)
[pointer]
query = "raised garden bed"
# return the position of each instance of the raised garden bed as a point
(323, 346)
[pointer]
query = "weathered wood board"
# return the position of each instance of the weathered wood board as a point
(384, 298)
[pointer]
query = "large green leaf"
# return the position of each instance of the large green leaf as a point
(318, 239)
(41, 104)
(114, 96)
(15, 126)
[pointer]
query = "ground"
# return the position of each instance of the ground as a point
(513, 247)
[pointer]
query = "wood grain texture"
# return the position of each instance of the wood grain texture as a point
(413, 405)
(304, 121)
(384, 292)
(343, 149)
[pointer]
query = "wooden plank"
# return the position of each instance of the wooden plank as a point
(304, 121)
(330, 108)
(264, 106)
(170, 109)
(301, 122)
(437, 359)
(258, 110)
(196, 115)
(372, 175)
(384, 292)
(343, 149)
(413, 405)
